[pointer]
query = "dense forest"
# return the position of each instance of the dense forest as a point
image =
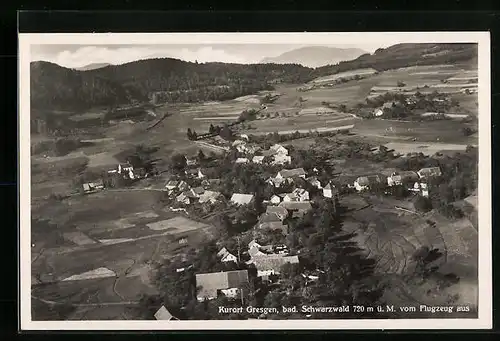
(159, 80)
(171, 80)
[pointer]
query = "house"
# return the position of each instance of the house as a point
(93, 186)
(378, 112)
(258, 158)
(241, 199)
(275, 199)
(196, 192)
(301, 194)
(176, 185)
(200, 174)
(277, 182)
(429, 172)
(330, 191)
(253, 244)
(401, 178)
(229, 283)
(226, 256)
(184, 198)
(299, 208)
(244, 137)
(314, 182)
(191, 162)
(271, 264)
(278, 149)
(365, 182)
(280, 212)
(127, 170)
(281, 159)
(241, 160)
(291, 173)
(164, 314)
(420, 187)
(209, 196)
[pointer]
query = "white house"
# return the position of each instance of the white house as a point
(200, 174)
(400, 178)
(226, 256)
(244, 136)
(378, 112)
(298, 194)
(429, 172)
(279, 149)
(291, 173)
(241, 160)
(275, 199)
(253, 243)
(421, 188)
(330, 191)
(258, 159)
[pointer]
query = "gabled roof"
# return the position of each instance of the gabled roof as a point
(198, 190)
(210, 283)
(329, 186)
(288, 173)
(368, 180)
(241, 199)
(404, 176)
(241, 160)
(253, 243)
(209, 196)
(274, 262)
(296, 205)
(258, 158)
(222, 252)
(172, 183)
(429, 171)
(269, 217)
(276, 210)
(164, 314)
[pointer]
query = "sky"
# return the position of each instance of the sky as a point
(74, 56)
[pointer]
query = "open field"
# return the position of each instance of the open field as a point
(347, 74)
(179, 224)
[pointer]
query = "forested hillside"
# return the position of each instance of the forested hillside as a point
(165, 79)
(404, 55)
(172, 80)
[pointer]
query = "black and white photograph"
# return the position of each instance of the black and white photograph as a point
(259, 181)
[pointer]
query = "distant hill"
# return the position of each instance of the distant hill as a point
(404, 55)
(160, 80)
(315, 56)
(92, 66)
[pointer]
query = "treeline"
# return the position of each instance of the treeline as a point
(56, 87)
(405, 55)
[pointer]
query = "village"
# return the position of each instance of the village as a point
(195, 190)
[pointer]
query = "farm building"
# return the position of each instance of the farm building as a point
(401, 178)
(241, 199)
(298, 194)
(280, 212)
(291, 173)
(278, 149)
(258, 159)
(229, 283)
(421, 188)
(241, 160)
(271, 264)
(174, 184)
(281, 159)
(164, 314)
(210, 196)
(226, 256)
(429, 172)
(365, 182)
(314, 182)
(298, 208)
(330, 191)
(93, 186)
(196, 192)
(185, 198)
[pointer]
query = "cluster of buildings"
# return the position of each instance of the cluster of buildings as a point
(187, 195)
(416, 182)
(277, 154)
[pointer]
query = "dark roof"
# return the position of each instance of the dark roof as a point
(277, 210)
(210, 283)
(288, 173)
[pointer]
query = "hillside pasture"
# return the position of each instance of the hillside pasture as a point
(347, 75)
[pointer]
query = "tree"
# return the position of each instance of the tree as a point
(201, 156)
(423, 204)
(226, 133)
(178, 162)
(212, 129)
(401, 84)
(189, 134)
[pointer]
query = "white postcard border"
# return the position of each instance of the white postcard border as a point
(484, 320)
